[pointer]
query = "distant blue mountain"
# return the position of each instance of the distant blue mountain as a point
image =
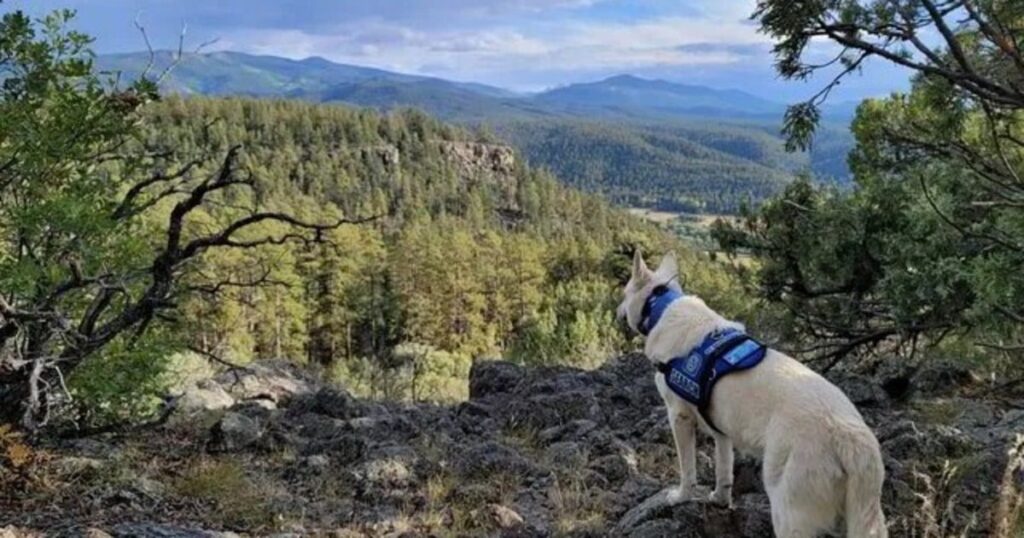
(236, 73)
(613, 135)
(634, 96)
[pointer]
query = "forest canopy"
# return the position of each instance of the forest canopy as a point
(480, 256)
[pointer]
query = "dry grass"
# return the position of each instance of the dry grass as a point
(937, 411)
(659, 462)
(525, 439)
(937, 504)
(240, 500)
(653, 215)
(576, 507)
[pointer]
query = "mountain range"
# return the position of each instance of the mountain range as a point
(641, 142)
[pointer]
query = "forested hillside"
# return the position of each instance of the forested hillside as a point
(643, 142)
(471, 253)
(692, 168)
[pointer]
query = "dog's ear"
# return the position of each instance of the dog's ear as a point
(640, 270)
(668, 267)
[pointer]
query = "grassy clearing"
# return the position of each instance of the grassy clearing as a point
(653, 215)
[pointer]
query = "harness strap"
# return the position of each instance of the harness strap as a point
(708, 377)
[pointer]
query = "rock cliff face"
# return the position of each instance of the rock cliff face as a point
(488, 163)
(534, 452)
(474, 164)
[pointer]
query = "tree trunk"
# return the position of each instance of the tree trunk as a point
(14, 393)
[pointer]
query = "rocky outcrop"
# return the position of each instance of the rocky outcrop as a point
(264, 384)
(559, 451)
(474, 157)
(606, 430)
(491, 165)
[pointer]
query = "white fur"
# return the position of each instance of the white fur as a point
(820, 461)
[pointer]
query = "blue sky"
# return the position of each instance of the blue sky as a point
(520, 44)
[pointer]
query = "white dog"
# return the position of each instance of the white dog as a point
(820, 461)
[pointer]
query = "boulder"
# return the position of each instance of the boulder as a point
(274, 380)
(489, 457)
(206, 395)
(698, 518)
(235, 431)
(331, 402)
(488, 378)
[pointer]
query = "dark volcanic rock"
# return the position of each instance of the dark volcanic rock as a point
(235, 431)
(154, 530)
(488, 378)
(750, 518)
(561, 451)
(328, 401)
(345, 448)
(861, 390)
(489, 458)
(942, 378)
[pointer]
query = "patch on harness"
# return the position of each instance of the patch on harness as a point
(743, 352)
(678, 382)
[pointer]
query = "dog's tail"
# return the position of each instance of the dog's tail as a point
(862, 461)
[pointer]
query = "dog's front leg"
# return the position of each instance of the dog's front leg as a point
(684, 431)
(723, 471)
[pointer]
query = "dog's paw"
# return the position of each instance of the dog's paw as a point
(678, 494)
(721, 497)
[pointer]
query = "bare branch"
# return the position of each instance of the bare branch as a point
(216, 358)
(149, 46)
(126, 208)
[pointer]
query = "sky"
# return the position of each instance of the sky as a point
(524, 45)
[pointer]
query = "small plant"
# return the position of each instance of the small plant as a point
(526, 439)
(17, 459)
(239, 500)
(574, 505)
(935, 517)
(16, 454)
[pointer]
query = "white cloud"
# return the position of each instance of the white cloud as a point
(478, 53)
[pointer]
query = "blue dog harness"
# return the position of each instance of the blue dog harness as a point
(693, 376)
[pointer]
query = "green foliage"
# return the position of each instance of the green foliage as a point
(468, 258)
(61, 237)
(927, 250)
(859, 267)
(126, 381)
(574, 325)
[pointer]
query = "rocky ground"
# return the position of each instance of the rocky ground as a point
(541, 452)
